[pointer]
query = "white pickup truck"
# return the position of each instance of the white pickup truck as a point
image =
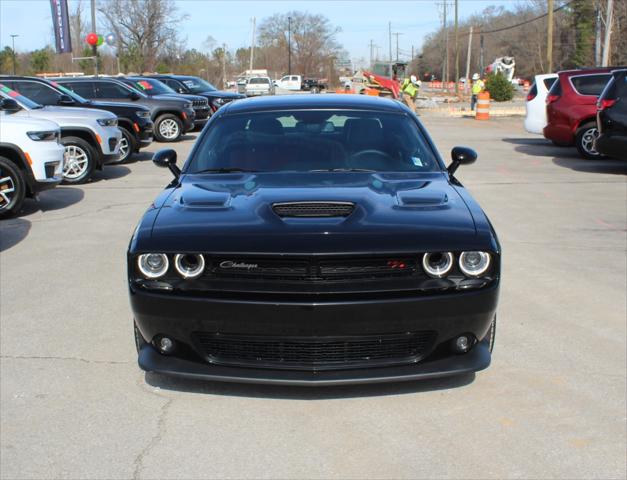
(290, 82)
(256, 86)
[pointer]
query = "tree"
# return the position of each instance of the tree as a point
(501, 90)
(145, 27)
(6, 60)
(40, 59)
(313, 42)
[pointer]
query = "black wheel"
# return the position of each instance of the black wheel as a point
(139, 340)
(79, 160)
(314, 90)
(168, 128)
(127, 146)
(584, 141)
(12, 188)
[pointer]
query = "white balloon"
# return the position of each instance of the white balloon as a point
(110, 39)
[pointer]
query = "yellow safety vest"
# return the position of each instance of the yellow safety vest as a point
(477, 87)
(409, 88)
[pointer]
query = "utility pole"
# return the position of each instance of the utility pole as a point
(224, 64)
(390, 45)
(13, 51)
(252, 45)
(597, 35)
(371, 53)
(467, 82)
(605, 61)
(456, 50)
(94, 48)
(445, 69)
(549, 40)
(481, 66)
(289, 45)
(396, 34)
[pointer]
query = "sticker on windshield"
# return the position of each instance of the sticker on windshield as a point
(144, 84)
(417, 161)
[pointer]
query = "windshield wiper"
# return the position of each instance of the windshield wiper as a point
(224, 170)
(344, 170)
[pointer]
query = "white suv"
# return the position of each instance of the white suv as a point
(535, 119)
(91, 137)
(31, 160)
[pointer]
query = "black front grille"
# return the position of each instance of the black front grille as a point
(313, 209)
(316, 353)
(50, 168)
(112, 143)
(200, 103)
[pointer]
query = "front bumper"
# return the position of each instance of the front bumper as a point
(182, 317)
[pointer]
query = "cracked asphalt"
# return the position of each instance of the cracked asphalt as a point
(73, 403)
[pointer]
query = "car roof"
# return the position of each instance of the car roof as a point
(586, 71)
(315, 102)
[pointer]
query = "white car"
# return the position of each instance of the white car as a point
(259, 86)
(91, 137)
(31, 159)
(290, 82)
(535, 120)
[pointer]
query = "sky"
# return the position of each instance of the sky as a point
(230, 21)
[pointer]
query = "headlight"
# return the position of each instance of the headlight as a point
(108, 122)
(474, 264)
(153, 265)
(189, 265)
(437, 264)
(143, 114)
(48, 135)
(218, 101)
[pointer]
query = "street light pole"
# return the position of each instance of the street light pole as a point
(13, 50)
(289, 45)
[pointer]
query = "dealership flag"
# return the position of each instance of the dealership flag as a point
(61, 25)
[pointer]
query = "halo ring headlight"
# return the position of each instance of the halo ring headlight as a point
(474, 264)
(437, 264)
(153, 265)
(189, 265)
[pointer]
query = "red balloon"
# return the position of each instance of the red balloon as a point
(92, 39)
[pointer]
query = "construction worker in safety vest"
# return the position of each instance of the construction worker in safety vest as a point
(477, 87)
(409, 89)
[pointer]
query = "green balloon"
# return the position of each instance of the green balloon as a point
(100, 40)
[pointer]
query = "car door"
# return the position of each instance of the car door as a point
(112, 92)
(84, 89)
(284, 82)
(38, 92)
(294, 82)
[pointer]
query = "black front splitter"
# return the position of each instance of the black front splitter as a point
(477, 359)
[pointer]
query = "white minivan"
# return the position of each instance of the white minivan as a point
(535, 119)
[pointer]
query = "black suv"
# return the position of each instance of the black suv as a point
(172, 116)
(198, 86)
(612, 117)
(153, 87)
(134, 121)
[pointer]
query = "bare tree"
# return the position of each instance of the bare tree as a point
(144, 29)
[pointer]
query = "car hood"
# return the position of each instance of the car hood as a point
(181, 96)
(393, 212)
(221, 94)
(68, 116)
(116, 105)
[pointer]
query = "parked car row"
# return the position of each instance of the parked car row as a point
(62, 130)
(576, 107)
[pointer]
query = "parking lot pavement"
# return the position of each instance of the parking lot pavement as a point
(552, 405)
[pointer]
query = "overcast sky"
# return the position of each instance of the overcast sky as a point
(230, 21)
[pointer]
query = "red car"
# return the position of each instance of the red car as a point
(571, 109)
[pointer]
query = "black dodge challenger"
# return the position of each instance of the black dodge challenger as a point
(314, 240)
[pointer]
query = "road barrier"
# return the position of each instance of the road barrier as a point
(483, 106)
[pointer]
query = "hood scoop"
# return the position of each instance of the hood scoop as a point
(313, 209)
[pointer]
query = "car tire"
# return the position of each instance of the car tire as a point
(79, 160)
(139, 339)
(584, 141)
(12, 188)
(168, 128)
(314, 90)
(127, 146)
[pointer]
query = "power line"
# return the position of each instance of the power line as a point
(485, 32)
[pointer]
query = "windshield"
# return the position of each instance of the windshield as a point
(69, 92)
(151, 87)
(197, 85)
(314, 140)
(24, 102)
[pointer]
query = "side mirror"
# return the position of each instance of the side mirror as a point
(180, 90)
(461, 156)
(65, 99)
(9, 105)
(167, 158)
(134, 96)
